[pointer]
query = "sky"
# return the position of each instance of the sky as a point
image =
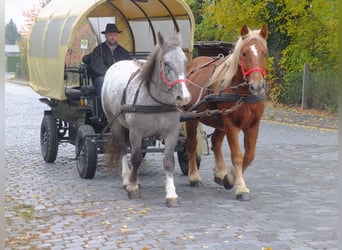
(14, 10)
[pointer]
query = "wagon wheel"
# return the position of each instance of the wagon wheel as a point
(183, 160)
(86, 152)
(49, 138)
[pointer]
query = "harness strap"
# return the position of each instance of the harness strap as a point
(155, 99)
(148, 109)
(227, 97)
(205, 65)
(207, 88)
(123, 98)
(230, 97)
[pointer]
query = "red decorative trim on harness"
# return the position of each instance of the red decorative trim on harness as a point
(166, 81)
(246, 73)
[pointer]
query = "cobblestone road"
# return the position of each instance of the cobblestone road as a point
(293, 183)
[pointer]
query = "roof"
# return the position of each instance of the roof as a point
(57, 23)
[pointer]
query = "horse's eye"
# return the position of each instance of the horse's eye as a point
(244, 54)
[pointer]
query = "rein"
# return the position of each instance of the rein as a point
(220, 56)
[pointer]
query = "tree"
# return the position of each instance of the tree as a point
(198, 8)
(312, 26)
(11, 33)
(300, 32)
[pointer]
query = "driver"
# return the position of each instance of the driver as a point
(105, 54)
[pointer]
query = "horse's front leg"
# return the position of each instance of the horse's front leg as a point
(191, 145)
(130, 174)
(250, 141)
(235, 175)
(171, 199)
(220, 170)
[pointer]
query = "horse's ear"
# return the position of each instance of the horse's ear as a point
(244, 30)
(264, 31)
(160, 38)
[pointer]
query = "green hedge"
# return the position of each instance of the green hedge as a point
(11, 63)
(321, 92)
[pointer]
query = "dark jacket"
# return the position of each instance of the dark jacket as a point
(101, 61)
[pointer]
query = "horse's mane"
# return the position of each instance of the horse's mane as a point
(148, 68)
(155, 56)
(225, 72)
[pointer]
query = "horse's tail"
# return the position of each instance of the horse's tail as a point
(116, 146)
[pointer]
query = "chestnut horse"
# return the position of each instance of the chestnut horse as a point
(229, 93)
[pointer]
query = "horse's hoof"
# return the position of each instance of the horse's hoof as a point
(195, 184)
(172, 202)
(135, 194)
(218, 181)
(243, 197)
(226, 183)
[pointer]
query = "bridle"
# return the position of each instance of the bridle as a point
(167, 82)
(249, 71)
(246, 73)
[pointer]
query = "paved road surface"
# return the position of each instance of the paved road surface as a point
(293, 183)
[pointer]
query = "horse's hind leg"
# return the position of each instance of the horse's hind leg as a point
(171, 198)
(220, 170)
(131, 178)
(117, 149)
(116, 146)
(191, 144)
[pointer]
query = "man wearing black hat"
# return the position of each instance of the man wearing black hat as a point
(105, 54)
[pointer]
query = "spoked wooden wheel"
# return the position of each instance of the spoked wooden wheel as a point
(86, 152)
(183, 160)
(49, 138)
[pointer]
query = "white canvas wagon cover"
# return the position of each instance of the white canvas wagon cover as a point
(56, 25)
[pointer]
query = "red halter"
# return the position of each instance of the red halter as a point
(246, 73)
(166, 81)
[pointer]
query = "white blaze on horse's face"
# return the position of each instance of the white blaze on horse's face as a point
(254, 50)
(185, 91)
(176, 72)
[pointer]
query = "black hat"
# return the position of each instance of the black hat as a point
(111, 27)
